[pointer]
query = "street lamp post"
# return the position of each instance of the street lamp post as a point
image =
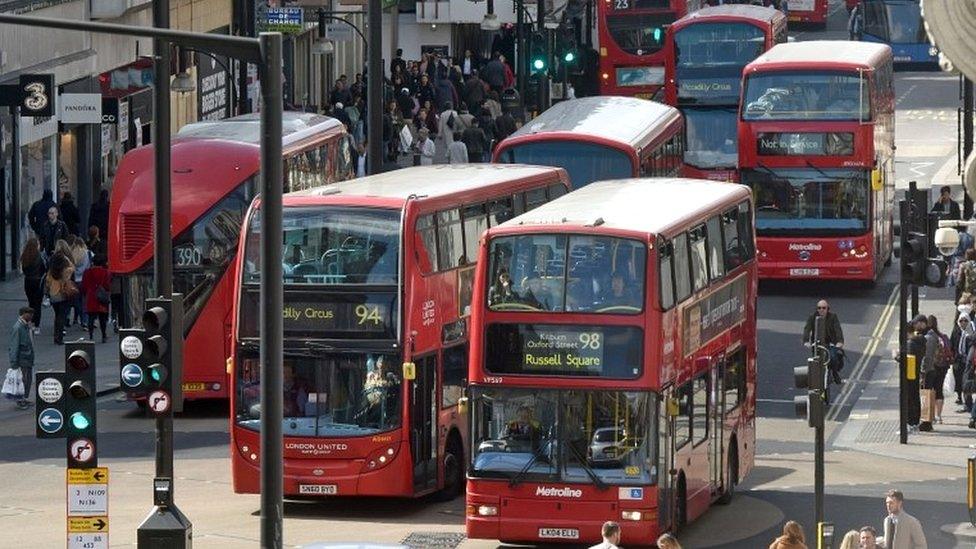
(266, 53)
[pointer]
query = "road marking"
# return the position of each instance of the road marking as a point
(869, 350)
(775, 400)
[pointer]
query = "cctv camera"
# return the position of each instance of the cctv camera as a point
(947, 241)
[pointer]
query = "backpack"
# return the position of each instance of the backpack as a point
(450, 121)
(968, 277)
(946, 355)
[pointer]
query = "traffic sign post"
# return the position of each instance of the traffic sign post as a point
(87, 508)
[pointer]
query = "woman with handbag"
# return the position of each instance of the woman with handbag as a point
(32, 266)
(81, 258)
(96, 287)
(61, 289)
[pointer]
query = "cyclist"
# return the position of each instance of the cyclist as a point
(832, 337)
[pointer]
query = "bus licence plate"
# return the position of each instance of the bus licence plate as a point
(318, 489)
(558, 533)
(193, 386)
(804, 272)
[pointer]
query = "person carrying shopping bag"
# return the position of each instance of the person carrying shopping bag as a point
(20, 352)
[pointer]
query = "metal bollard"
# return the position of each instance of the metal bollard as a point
(971, 488)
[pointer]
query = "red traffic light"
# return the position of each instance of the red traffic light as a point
(79, 360)
(154, 318)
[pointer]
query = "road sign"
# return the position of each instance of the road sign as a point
(338, 32)
(132, 375)
(50, 420)
(131, 347)
(88, 541)
(82, 450)
(159, 401)
(87, 524)
(286, 20)
(50, 390)
(88, 494)
(95, 475)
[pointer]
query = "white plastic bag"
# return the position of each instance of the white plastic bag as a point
(13, 383)
(949, 385)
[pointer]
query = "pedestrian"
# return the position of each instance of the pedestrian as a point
(469, 65)
(457, 153)
(33, 269)
(95, 243)
(494, 74)
(475, 91)
(855, 24)
(81, 258)
(851, 540)
(944, 357)
(493, 105)
(962, 338)
(916, 347)
(504, 126)
(476, 142)
(52, 231)
(424, 120)
(397, 64)
(38, 211)
(98, 214)
(901, 530)
(60, 289)
(611, 536)
(69, 213)
(945, 206)
(360, 159)
(832, 336)
(425, 90)
(509, 75)
(966, 279)
(449, 123)
(465, 115)
(869, 537)
(792, 537)
(667, 541)
(20, 351)
(426, 147)
(96, 287)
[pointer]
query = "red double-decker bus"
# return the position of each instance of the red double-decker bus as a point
(215, 168)
(816, 144)
(615, 378)
(808, 11)
(707, 51)
(600, 137)
(378, 274)
(631, 34)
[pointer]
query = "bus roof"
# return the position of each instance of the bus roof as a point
(645, 205)
(732, 12)
(627, 120)
(247, 128)
(429, 181)
(843, 54)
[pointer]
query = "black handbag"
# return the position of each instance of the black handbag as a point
(103, 296)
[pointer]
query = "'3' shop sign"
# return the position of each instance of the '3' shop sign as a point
(38, 96)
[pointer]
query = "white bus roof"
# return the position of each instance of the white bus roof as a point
(247, 128)
(629, 120)
(821, 54)
(645, 205)
(732, 11)
(432, 181)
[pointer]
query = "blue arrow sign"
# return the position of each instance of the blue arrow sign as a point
(50, 420)
(132, 375)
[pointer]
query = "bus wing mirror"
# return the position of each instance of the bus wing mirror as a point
(409, 371)
(462, 405)
(876, 183)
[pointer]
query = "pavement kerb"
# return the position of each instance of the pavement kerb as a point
(962, 531)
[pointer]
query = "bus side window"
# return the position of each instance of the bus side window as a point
(699, 426)
(682, 265)
(730, 231)
(699, 257)
(682, 422)
(556, 190)
(746, 237)
(426, 244)
(535, 198)
(500, 211)
(475, 223)
(454, 374)
(735, 379)
(450, 240)
(518, 199)
(665, 275)
(716, 263)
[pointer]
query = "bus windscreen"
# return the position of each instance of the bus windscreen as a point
(584, 162)
(566, 273)
(577, 436)
(332, 245)
(326, 394)
(905, 24)
(804, 201)
(712, 138)
(638, 33)
(797, 95)
(709, 58)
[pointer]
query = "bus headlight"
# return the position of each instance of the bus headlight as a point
(487, 511)
(380, 458)
(630, 515)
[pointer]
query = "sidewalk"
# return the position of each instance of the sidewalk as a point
(873, 423)
(47, 355)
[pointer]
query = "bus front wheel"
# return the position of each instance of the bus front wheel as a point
(453, 470)
(681, 508)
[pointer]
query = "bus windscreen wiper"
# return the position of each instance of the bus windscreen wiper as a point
(536, 456)
(586, 467)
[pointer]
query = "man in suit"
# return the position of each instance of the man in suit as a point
(901, 530)
(946, 206)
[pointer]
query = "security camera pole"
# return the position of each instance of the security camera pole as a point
(171, 528)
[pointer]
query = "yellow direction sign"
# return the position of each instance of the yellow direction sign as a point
(95, 475)
(78, 525)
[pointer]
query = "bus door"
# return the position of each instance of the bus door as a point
(665, 460)
(716, 404)
(423, 424)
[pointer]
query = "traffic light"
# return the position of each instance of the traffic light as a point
(151, 357)
(539, 58)
(920, 268)
(79, 404)
(811, 377)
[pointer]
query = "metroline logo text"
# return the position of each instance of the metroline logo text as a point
(549, 491)
(805, 247)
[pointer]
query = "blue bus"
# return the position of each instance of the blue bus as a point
(899, 24)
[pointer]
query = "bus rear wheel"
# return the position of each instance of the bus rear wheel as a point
(731, 477)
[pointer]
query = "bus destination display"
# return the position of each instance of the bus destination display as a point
(550, 349)
(355, 315)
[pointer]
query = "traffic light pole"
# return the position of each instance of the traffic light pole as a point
(818, 447)
(906, 225)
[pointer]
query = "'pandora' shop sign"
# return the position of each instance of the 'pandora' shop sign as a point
(80, 108)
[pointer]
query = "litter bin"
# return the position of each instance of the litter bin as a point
(511, 102)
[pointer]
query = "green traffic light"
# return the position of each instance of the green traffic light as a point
(657, 34)
(538, 64)
(80, 421)
(569, 57)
